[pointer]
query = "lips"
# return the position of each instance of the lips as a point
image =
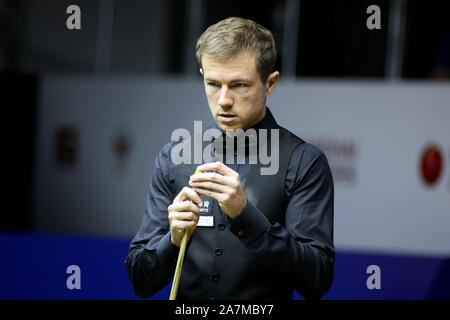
(227, 117)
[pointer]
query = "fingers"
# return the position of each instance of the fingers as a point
(180, 221)
(213, 184)
(212, 181)
(185, 205)
(215, 181)
(219, 167)
(224, 186)
(183, 214)
(210, 176)
(178, 227)
(222, 195)
(187, 193)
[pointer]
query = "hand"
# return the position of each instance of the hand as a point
(224, 186)
(183, 214)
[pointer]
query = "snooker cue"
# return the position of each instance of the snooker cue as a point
(179, 266)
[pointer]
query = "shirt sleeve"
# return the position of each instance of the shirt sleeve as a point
(151, 259)
(304, 246)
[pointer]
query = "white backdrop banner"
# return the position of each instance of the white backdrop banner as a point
(388, 145)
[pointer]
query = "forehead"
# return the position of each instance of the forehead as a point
(242, 65)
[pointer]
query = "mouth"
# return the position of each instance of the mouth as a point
(227, 117)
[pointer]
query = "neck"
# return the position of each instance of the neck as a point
(263, 114)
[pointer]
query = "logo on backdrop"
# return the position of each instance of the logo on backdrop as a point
(342, 154)
(121, 147)
(66, 146)
(431, 164)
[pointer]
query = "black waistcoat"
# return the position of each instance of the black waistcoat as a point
(217, 264)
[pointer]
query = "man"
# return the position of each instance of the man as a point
(267, 234)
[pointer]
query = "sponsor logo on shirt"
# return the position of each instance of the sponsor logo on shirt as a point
(204, 206)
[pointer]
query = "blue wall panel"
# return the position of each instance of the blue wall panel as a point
(33, 266)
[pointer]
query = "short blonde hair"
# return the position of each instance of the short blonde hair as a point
(234, 35)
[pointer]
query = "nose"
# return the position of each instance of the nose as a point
(225, 99)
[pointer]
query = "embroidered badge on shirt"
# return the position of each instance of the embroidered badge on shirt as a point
(204, 206)
(205, 220)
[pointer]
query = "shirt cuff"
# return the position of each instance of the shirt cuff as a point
(249, 225)
(166, 251)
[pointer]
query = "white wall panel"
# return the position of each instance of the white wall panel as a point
(383, 206)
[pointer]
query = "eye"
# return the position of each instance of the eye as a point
(240, 85)
(213, 84)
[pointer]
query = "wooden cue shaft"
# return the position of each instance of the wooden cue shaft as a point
(179, 266)
(176, 278)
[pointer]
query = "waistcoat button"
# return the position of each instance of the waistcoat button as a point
(215, 276)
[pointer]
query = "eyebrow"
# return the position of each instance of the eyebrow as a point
(232, 81)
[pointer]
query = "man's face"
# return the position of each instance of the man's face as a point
(236, 95)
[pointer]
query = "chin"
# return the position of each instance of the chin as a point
(224, 127)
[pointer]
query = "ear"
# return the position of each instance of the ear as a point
(271, 82)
